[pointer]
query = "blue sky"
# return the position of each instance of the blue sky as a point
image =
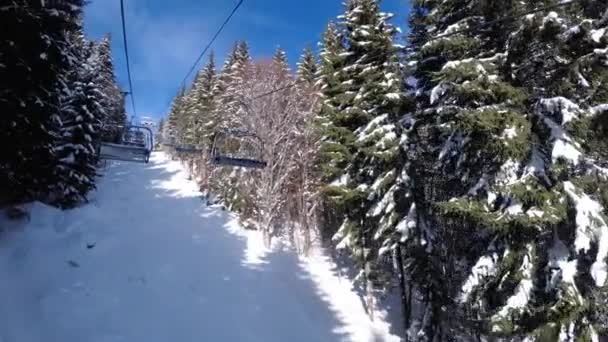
(166, 37)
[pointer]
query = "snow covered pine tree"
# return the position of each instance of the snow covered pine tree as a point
(81, 117)
(33, 47)
(508, 161)
(362, 101)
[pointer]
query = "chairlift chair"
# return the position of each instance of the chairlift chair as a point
(239, 148)
(136, 145)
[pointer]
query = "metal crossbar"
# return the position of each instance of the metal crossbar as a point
(221, 157)
(240, 162)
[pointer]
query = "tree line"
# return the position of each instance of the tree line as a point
(468, 168)
(58, 98)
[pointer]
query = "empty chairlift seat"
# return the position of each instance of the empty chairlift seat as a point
(238, 148)
(135, 146)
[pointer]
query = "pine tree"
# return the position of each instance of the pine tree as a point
(200, 121)
(175, 120)
(159, 138)
(496, 162)
(307, 69)
(280, 61)
(333, 156)
(559, 59)
(232, 98)
(186, 124)
(223, 82)
(32, 46)
(230, 112)
(206, 122)
(114, 102)
(361, 134)
(82, 111)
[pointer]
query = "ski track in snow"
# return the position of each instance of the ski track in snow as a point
(164, 267)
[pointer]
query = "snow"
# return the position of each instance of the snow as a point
(559, 256)
(341, 236)
(582, 81)
(566, 333)
(560, 107)
(491, 197)
(146, 260)
(564, 147)
(376, 127)
(510, 133)
(594, 335)
(534, 212)
(393, 96)
(508, 174)
(599, 109)
(536, 166)
(485, 267)
(553, 18)
(382, 180)
(70, 159)
(407, 224)
(437, 92)
(590, 227)
(449, 146)
(452, 29)
(383, 204)
(523, 292)
(569, 33)
(515, 209)
(455, 63)
(342, 181)
(602, 53)
(342, 299)
(597, 35)
(481, 184)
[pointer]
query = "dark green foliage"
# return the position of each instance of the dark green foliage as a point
(53, 96)
(506, 115)
(32, 45)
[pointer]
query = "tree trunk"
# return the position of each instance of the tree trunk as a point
(367, 269)
(406, 292)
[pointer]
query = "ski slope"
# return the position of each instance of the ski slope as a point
(146, 260)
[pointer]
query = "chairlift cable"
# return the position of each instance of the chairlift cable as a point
(219, 31)
(125, 41)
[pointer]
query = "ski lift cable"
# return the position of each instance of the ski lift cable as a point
(219, 31)
(125, 41)
(446, 35)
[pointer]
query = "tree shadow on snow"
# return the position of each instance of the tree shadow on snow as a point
(389, 302)
(214, 296)
(165, 267)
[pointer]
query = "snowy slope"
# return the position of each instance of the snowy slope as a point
(147, 261)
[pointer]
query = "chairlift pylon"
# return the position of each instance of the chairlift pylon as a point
(136, 145)
(239, 148)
